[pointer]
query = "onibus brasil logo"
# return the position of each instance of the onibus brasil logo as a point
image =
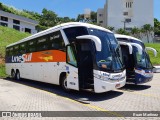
(22, 58)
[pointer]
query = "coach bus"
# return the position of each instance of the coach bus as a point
(137, 62)
(73, 55)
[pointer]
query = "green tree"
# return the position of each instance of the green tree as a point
(147, 30)
(136, 32)
(93, 18)
(48, 18)
(156, 26)
(122, 31)
(110, 28)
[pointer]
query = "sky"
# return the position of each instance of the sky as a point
(66, 8)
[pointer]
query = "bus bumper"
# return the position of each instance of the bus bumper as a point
(140, 79)
(143, 76)
(101, 86)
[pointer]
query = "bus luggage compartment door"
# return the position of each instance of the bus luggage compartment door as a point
(72, 77)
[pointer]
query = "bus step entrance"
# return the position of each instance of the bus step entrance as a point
(88, 86)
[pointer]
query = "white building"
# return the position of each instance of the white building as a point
(18, 22)
(126, 14)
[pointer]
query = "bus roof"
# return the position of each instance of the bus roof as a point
(126, 36)
(58, 27)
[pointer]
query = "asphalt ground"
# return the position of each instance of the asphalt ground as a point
(27, 95)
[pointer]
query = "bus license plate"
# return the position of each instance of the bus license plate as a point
(118, 85)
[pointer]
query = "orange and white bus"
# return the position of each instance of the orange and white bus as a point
(73, 55)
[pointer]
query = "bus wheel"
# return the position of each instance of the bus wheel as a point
(64, 84)
(17, 75)
(13, 74)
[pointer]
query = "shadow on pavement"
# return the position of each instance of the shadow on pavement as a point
(80, 96)
(133, 87)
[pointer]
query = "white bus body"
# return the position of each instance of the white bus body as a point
(55, 56)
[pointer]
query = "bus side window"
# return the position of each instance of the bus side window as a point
(16, 50)
(31, 46)
(11, 51)
(56, 41)
(71, 57)
(22, 48)
(42, 43)
(7, 51)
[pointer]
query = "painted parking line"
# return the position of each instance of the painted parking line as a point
(75, 101)
(137, 93)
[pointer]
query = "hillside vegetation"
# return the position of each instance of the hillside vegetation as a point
(8, 36)
(154, 60)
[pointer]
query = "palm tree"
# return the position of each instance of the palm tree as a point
(122, 31)
(110, 28)
(147, 29)
(136, 32)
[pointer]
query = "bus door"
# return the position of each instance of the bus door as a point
(127, 55)
(85, 63)
(71, 68)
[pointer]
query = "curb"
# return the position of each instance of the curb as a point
(156, 69)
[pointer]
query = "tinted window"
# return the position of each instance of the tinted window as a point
(16, 27)
(4, 18)
(73, 32)
(3, 24)
(16, 21)
(16, 50)
(31, 46)
(123, 39)
(10, 51)
(56, 41)
(22, 48)
(7, 51)
(42, 44)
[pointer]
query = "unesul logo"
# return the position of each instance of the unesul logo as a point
(22, 58)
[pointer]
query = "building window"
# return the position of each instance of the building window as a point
(100, 21)
(28, 30)
(125, 13)
(128, 4)
(128, 29)
(128, 20)
(16, 27)
(4, 18)
(16, 21)
(100, 15)
(3, 24)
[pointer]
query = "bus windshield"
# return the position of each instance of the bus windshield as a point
(109, 58)
(143, 60)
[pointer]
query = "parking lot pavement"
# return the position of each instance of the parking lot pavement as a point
(26, 95)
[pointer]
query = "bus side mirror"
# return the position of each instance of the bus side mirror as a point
(138, 47)
(95, 39)
(129, 46)
(152, 49)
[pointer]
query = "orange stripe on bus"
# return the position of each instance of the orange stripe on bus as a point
(48, 56)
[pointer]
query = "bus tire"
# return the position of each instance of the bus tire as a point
(13, 74)
(64, 83)
(17, 75)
